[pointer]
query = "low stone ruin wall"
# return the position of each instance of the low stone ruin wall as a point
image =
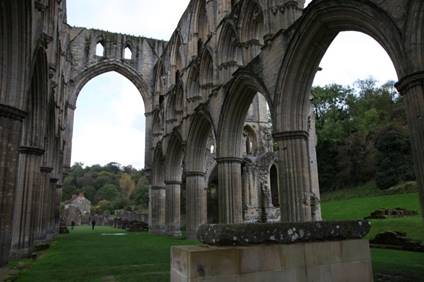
(321, 252)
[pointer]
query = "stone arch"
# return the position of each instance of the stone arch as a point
(34, 124)
(206, 72)
(107, 66)
(157, 125)
(251, 29)
(251, 141)
(173, 181)
(229, 57)
(195, 172)
(239, 96)
(200, 23)
(177, 62)
(301, 61)
(15, 40)
(157, 202)
(193, 85)
(318, 27)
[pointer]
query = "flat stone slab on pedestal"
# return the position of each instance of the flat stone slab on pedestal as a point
(281, 233)
(336, 261)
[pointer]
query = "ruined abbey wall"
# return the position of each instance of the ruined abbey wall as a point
(197, 89)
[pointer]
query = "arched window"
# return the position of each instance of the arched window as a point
(273, 179)
(100, 49)
(127, 53)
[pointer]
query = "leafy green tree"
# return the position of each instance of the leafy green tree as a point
(89, 192)
(108, 192)
(394, 162)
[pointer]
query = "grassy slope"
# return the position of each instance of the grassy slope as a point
(85, 255)
(409, 265)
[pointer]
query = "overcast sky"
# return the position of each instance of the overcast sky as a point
(109, 120)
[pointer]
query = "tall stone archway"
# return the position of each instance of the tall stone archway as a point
(296, 75)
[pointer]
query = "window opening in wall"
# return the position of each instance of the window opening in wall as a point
(127, 53)
(273, 175)
(212, 149)
(100, 49)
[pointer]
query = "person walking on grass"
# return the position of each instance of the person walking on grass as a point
(93, 223)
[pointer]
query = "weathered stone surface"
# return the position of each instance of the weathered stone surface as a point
(280, 233)
(301, 262)
(388, 213)
(396, 240)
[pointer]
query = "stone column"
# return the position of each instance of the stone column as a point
(173, 208)
(230, 190)
(58, 198)
(148, 140)
(27, 187)
(411, 88)
(313, 141)
(196, 202)
(157, 209)
(294, 176)
(68, 135)
(41, 231)
(51, 227)
(10, 135)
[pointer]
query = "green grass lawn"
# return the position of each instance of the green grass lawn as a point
(409, 265)
(84, 255)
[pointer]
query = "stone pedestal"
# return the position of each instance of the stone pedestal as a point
(173, 208)
(347, 261)
(196, 202)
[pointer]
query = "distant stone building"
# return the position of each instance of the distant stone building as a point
(78, 210)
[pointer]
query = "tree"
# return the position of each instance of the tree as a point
(108, 192)
(127, 185)
(394, 162)
(141, 193)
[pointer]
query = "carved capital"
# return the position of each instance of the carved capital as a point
(12, 113)
(410, 81)
(31, 150)
(289, 135)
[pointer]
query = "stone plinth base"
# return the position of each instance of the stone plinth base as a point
(345, 261)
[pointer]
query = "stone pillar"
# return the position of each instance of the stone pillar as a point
(157, 209)
(294, 176)
(51, 227)
(313, 141)
(230, 190)
(58, 199)
(10, 135)
(27, 188)
(41, 231)
(148, 141)
(68, 135)
(411, 88)
(196, 202)
(173, 208)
